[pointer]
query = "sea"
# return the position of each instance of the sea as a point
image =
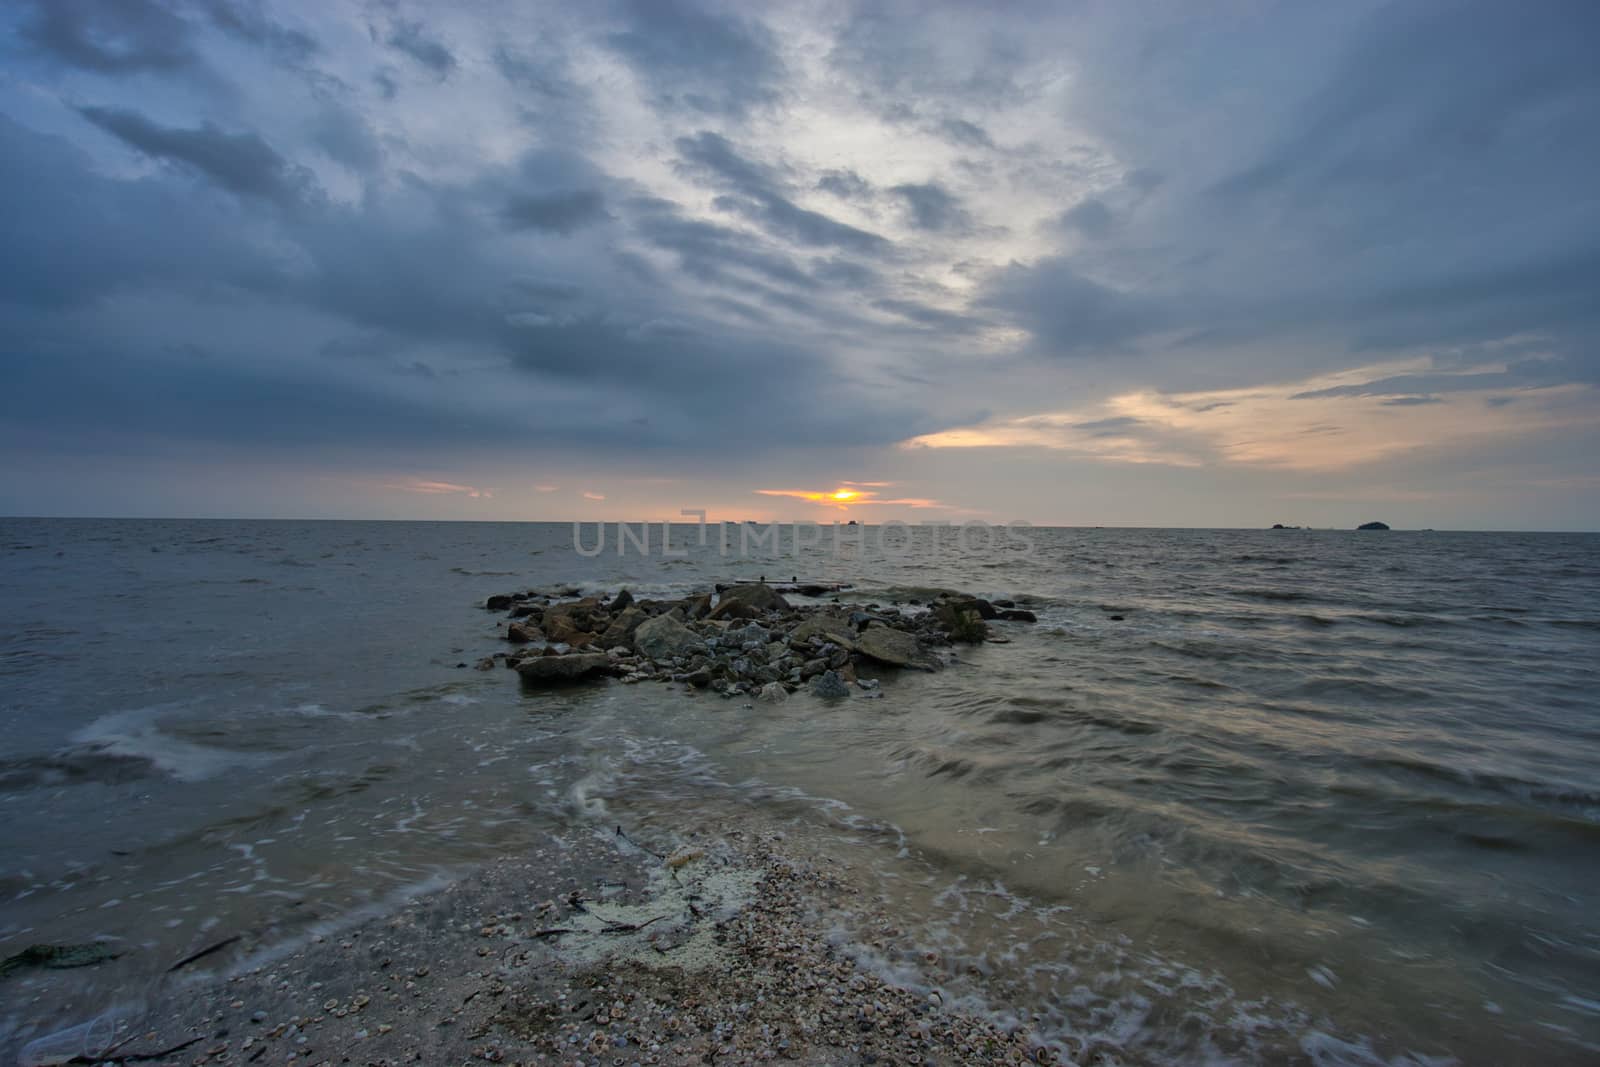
(1238, 796)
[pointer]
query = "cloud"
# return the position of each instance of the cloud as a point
(1068, 314)
(245, 20)
(428, 488)
(710, 156)
(126, 37)
(933, 318)
(242, 163)
(414, 40)
(699, 60)
(562, 212)
(847, 496)
(1090, 217)
(932, 207)
(1287, 426)
(845, 184)
(964, 133)
(587, 495)
(721, 235)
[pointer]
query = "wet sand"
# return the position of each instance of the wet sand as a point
(594, 950)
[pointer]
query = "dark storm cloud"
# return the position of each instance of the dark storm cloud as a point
(145, 234)
(240, 162)
(1421, 388)
(711, 157)
(702, 60)
(783, 218)
(1066, 313)
(345, 136)
(246, 21)
(845, 184)
(390, 288)
(964, 133)
(112, 38)
(413, 39)
(932, 207)
(844, 273)
(923, 315)
(1254, 199)
(715, 253)
(560, 212)
(1092, 218)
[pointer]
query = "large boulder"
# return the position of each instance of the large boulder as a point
(961, 622)
(894, 647)
(519, 633)
(982, 607)
(748, 601)
(567, 622)
(622, 627)
(553, 670)
(664, 637)
(835, 628)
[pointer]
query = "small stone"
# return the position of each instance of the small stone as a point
(829, 686)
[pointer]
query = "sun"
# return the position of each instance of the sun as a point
(842, 495)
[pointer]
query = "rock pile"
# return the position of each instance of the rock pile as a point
(743, 639)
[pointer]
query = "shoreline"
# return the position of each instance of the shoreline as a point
(593, 949)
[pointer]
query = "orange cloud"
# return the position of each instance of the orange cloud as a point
(418, 485)
(846, 496)
(1327, 423)
(587, 495)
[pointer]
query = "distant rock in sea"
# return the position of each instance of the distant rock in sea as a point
(1373, 526)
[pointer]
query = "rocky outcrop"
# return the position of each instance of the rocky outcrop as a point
(750, 642)
(897, 648)
(622, 628)
(1373, 526)
(574, 622)
(521, 633)
(665, 638)
(834, 628)
(553, 670)
(748, 602)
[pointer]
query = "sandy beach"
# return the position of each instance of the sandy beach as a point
(594, 950)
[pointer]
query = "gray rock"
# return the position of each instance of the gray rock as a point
(552, 670)
(829, 686)
(664, 637)
(748, 601)
(829, 627)
(894, 647)
(519, 633)
(622, 627)
(772, 693)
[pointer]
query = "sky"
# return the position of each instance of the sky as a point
(1150, 263)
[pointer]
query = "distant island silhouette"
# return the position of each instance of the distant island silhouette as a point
(1373, 526)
